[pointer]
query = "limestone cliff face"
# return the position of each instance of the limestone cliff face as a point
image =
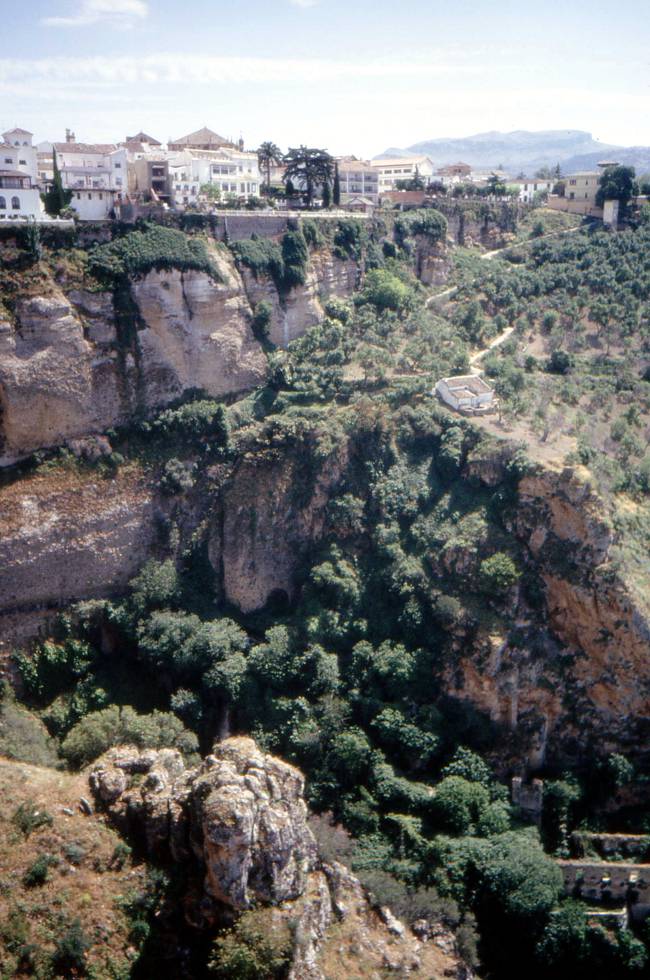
(581, 679)
(238, 823)
(80, 362)
(301, 308)
(55, 383)
(67, 536)
(268, 516)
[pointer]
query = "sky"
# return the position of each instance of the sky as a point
(353, 76)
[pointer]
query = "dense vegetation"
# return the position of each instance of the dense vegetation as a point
(417, 562)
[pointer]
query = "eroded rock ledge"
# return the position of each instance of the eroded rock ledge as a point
(241, 816)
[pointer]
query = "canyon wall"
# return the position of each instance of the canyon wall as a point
(75, 362)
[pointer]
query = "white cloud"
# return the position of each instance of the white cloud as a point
(304, 3)
(117, 13)
(80, 73)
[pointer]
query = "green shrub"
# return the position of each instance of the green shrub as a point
(28, 818)
(349, 238)
(261, 256)
(427, 222)
(498, 573)
(262, 321)
(295, 256)
(176, 477)
(69, 956)
(258, 947)
(38, 872)
(385, 291)
(138, 252)
(101, 730)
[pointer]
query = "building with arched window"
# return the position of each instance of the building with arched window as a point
(18, 198)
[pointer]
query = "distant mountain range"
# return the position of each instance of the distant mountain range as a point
(527, 152)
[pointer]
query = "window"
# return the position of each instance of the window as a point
(23, 163)
(15, 203)
(78, 196)
(3, 204)
(101, 197)
(90, 197)
(8, 160)
(118, 166)
(572, 182)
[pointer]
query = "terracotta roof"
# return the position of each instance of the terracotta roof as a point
(143, 138)
(354, 166)
(84, 147)
(398, 161)
(200, 138)
(25, 132)
(14, 173)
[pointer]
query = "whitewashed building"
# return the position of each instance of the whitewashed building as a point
(17, 153)
(96, 173)
(467, 393)
(392, 169)
(358, 179)
(234, 173)
(530, 186)
(20, 197)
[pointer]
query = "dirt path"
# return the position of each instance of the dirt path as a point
(487, 256)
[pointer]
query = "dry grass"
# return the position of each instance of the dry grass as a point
(80, 885)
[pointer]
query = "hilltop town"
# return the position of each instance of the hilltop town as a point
(141, 177)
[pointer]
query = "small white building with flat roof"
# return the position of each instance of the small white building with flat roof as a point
(467, 393)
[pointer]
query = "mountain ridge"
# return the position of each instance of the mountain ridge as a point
(524, 150)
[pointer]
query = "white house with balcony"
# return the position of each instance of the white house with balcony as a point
(358, 179)
(468, 394)
(234, 173)
(19, 200)
(96, 173)
(390, 170)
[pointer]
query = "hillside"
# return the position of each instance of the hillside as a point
(280, 535)
(527, 151)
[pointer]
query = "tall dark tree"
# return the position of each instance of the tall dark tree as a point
(327, 194)
(309, 168)
(268, 155)
(617, 184)
(336, 191)
(56, 198)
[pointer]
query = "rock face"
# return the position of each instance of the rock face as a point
(67, 536)
(78, 364)
(240, 813)
(302, 307)
(583, 680)
(268, 517)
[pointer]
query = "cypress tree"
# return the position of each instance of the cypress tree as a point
(56, 198)
(327, 194)
(337, 186)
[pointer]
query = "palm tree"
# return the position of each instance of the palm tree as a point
(308, 167)
(268, 155)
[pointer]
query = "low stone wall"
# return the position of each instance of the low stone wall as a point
(609, 883)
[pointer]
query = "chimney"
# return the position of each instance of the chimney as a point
(240, 143)
(69, 136)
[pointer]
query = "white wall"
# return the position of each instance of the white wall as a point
(92, 205)
(30, 204)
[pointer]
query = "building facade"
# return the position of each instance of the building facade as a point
(232, 173)
(18, 198)
(97, 175)
(18, 154)
(358, 179)
(453, 173)
(529, 187)
(582, 186)
(391, 170)
(468, 394)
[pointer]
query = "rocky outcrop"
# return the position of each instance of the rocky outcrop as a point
(241, 817)
(241, 814)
